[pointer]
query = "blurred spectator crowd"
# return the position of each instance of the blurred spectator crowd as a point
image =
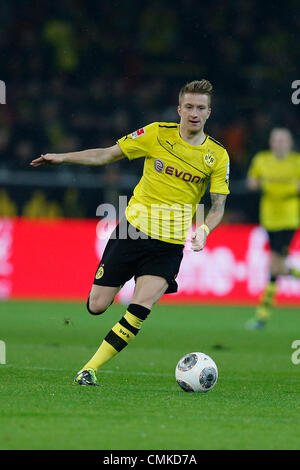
(80, 74)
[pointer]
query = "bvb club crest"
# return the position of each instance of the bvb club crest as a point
(100, 272)
(209, 158)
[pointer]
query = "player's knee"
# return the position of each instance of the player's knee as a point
(95, 307)
(277, 267)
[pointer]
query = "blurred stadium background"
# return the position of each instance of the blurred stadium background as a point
(80, 74)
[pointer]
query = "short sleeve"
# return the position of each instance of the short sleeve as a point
(219, 179)
(138, 143)
(255, 167)
(297, 157)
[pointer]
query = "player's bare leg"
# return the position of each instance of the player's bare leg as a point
(100, 298)
(148, 290)
(278, 266)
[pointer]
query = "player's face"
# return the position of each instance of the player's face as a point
(280, 142)
(194, 111)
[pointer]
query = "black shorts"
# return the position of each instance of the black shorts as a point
(280, 241)
(126, 258)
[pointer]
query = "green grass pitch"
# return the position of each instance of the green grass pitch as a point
(255, 404)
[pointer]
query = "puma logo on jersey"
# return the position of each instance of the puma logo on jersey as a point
(171, 145)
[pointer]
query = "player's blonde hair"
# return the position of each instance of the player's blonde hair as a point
(203, 87)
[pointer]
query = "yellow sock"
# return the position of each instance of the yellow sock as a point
(101, 356)
(119, 336)
(263, 311)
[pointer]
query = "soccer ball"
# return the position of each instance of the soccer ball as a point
(196, 372)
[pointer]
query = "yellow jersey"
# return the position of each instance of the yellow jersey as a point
(279, 204)
(175, 177)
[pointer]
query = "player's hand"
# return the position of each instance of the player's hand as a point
(48, 159)
(198, 239)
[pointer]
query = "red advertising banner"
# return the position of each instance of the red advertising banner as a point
(57, 260)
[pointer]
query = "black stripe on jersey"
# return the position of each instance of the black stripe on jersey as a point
(129, 327)
(115, 341)
(169, 127)
(216, 142)
(195, 168)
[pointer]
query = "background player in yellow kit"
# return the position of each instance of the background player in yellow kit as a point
(277, 173)
(180, 161)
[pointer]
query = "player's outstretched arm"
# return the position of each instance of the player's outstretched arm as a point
(212, 220)
(93, 157)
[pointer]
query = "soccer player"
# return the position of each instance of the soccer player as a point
(180, 161)
(277, 173)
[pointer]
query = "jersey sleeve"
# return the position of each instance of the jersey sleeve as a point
(219, 179)
(255, 167)
(138, 143)
(297, 156)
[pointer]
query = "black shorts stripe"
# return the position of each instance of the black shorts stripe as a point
(115, 341)
(129, 327)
